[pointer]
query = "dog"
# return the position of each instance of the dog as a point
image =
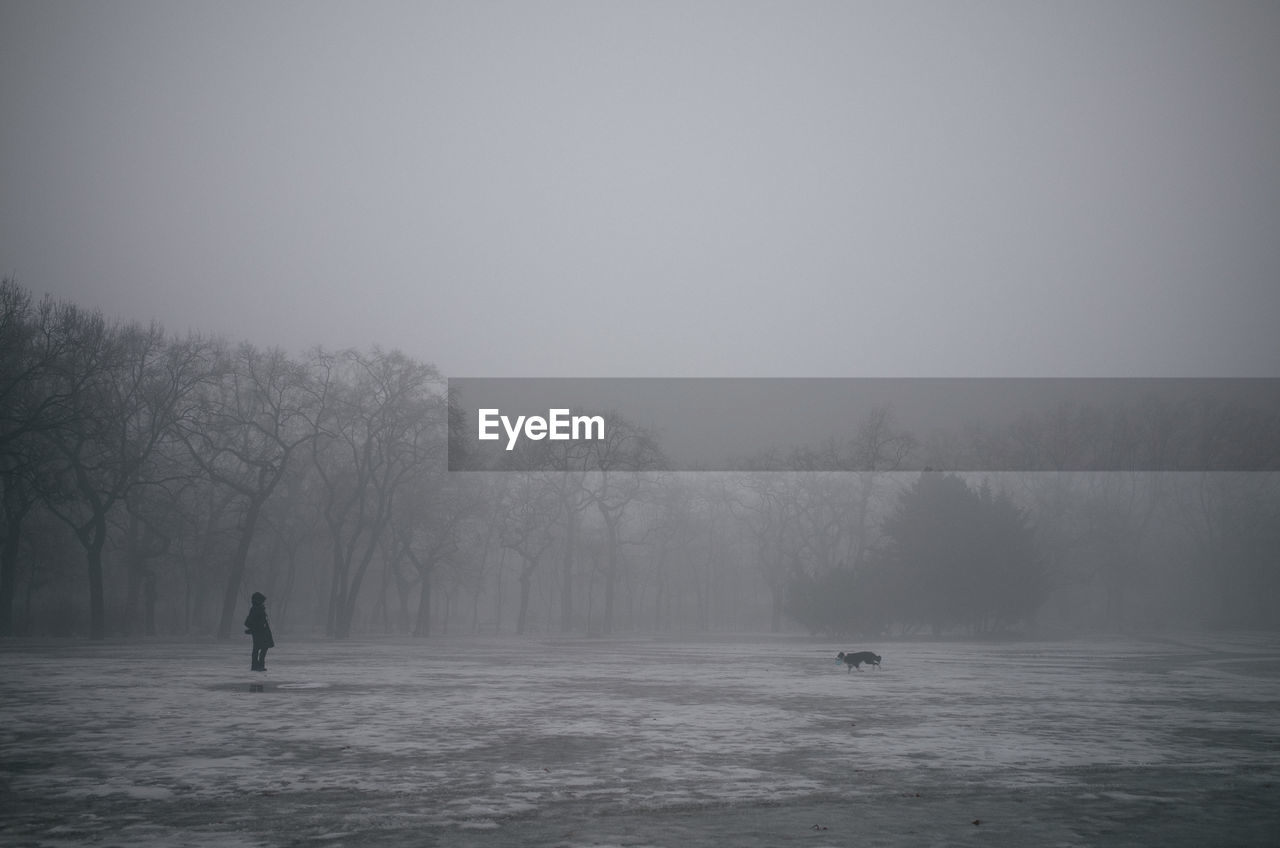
(856, 660)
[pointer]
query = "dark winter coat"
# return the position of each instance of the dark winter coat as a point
(256, 623)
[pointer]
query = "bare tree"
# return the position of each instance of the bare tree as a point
(383, 421)
(31, 343)
(243, 434)
(426, 528)
(616, 466)
(147, 537)
(123, 389)
(528, 508)
(770, 507)
(671, 535)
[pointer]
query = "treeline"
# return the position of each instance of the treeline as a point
(152, 482)
(146, 454)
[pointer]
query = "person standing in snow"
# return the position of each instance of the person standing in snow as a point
(256, 623)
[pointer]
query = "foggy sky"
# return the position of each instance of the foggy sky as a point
(661, 189)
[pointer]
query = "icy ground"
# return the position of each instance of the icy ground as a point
(642, 742)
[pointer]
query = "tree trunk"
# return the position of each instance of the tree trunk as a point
(93, 536)
(347, 611)
(149, 604)
(382, 609)
(403, 617)
(235, 574)
(566, 576)
(422, 628)
(497, 593)
(286, 591)
(610, 578)
(659, 598)
(337, 582)
(523, 617)
(93, 559)
(9, 570)
(132, 600)
(133, 564)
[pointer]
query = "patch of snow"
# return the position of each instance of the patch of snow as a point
(480, 734)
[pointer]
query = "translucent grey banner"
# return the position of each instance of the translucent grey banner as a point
(819, 424)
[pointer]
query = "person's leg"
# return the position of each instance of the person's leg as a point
(262, 660)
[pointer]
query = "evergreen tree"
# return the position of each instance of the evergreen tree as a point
(953, 558)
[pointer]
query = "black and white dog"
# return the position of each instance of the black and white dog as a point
(856, 660)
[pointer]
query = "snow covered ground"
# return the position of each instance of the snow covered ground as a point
(640, 742)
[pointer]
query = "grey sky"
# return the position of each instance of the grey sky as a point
(662, 189)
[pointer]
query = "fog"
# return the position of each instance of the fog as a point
(153, 482)
(257, 260)
(693, 190)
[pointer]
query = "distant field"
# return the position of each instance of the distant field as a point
(642, 742)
